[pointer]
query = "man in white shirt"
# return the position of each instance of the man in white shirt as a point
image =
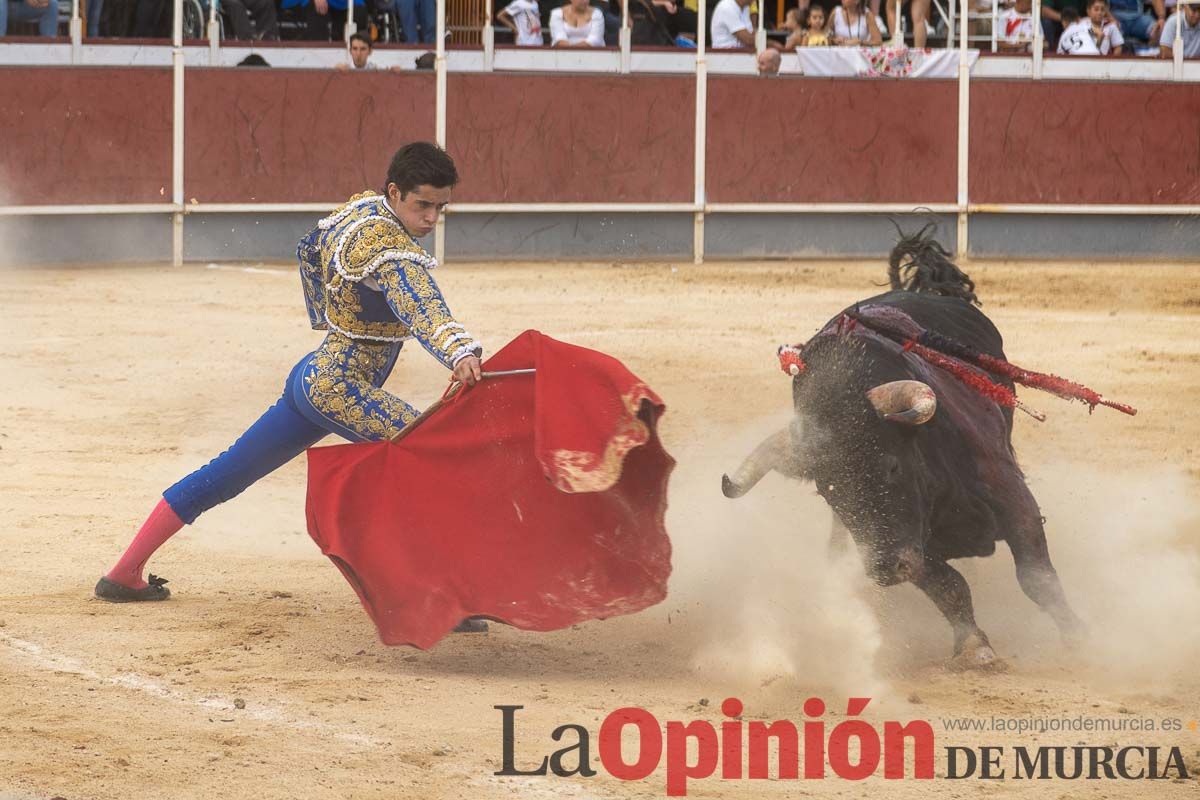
(731, 26)
(1191, 33)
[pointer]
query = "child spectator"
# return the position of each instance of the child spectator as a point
(793, 20)
(814, 28)
(806, 28)
(524, 19)
(1103, 27)
(1017, 26)
(1075, 39)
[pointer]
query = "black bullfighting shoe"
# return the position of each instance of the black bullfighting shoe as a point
(471, 625)
(114, 592)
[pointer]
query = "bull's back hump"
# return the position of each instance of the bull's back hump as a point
(948, 316)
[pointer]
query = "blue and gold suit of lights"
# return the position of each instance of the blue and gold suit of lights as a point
(368, 283)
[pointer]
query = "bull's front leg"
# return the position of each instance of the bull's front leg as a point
(1039, 580)
(948, 590)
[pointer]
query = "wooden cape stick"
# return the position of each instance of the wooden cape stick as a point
(454, 389)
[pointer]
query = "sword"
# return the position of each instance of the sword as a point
(455, 388)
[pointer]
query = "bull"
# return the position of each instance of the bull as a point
(916, 464)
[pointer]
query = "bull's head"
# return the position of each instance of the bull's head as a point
(860, 495)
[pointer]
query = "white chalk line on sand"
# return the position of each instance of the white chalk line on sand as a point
(253, 270)
(54, 662)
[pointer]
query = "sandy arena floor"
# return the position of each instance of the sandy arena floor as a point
(262, 677)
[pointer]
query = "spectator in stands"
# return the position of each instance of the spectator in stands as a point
(769, 62)
(43, 12)
(263, 12)
(793, 20)
(1052, 26)
(418, 18)
(1016, 27)
(612, 20)
(576, 24)
(1136, 23)
(360, 54)
(1191, 33)
(325, 19)
(815, 34)
(659, 22)
(920, 18)
(851, 25)
(1096, 35)
(524, 19)
(94, 9)
(731, 25)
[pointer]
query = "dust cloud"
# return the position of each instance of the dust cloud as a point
(761, 597)
(766, 601)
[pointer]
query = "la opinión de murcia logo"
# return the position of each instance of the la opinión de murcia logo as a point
(853, 750)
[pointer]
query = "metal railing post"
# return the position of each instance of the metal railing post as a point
(214, 35)
(1039, 40)
(76, 29)
(488, 37)
(351, 27)
(177, 137)
(1177, 45)
(439, 231)
(701, 131)
(995, 24)
(760, 35)
(625, 39)
(964, 130)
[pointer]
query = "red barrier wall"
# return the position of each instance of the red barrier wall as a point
(274, 136)
(85, 135)
(831, 140)
(1058, 142)
(73, 135)
(572, 138)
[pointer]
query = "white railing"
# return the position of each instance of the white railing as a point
(700, 63)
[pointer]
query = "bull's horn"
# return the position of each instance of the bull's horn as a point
(906, 402)
(772, 453)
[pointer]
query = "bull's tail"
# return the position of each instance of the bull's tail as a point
(919, 263)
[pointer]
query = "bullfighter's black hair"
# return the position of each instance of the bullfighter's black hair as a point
(919, 263)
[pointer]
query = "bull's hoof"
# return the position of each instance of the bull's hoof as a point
(976, 654)
(1074, 632)
(729, 488)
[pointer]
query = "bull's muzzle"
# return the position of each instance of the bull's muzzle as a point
(890, 569)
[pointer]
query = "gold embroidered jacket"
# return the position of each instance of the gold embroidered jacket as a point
(364, 276)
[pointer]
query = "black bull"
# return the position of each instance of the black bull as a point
(916, 465)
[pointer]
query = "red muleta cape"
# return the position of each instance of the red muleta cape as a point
(537, 500)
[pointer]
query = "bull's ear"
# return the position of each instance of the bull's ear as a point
(904, 402)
